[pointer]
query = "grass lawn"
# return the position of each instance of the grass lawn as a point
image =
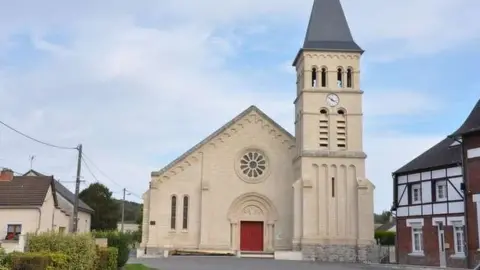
(136, 266)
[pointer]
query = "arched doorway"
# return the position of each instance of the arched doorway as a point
(252, 219)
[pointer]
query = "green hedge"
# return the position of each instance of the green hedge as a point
(385, 238)
(121, 241)
(80, 248)
(39, 261)
(106, 258)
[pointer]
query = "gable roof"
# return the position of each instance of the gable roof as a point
(471, 124)
(440, 155)
(220, 131)
(65, 193)
(25, 191)
(328, 28)
(387, 226)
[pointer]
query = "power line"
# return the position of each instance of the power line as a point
(36, 140)
(88, 168)
(104, 174)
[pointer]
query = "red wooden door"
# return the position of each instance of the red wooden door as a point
(251, 236)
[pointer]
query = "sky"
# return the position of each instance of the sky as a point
(137, 83)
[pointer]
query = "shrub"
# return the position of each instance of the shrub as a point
(3, 257)
(385, 238)
(106, 258)
(119, 240)
(80, 248)
(39, 261)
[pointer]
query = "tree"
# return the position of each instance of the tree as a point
(99, 198)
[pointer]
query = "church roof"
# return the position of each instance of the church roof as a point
(471, 124)
(220, 131)
(328, 28)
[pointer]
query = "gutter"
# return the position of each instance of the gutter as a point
(39, 208)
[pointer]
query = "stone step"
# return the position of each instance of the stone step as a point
(253, 254)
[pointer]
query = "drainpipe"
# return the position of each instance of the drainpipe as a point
(465, 197)
(38, 208)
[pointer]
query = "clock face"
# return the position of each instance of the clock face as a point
(333, 100)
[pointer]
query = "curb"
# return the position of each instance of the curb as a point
(413, 267)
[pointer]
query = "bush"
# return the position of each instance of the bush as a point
(121, 241)
(106, 258)
(80, 248)
(385, 238)
(39, 261)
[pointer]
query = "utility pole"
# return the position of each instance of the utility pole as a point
(123, 209)
(77, 189)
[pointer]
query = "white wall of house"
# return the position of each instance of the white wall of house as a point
(33, 219)
(84, 217)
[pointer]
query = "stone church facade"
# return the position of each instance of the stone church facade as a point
(251, 186)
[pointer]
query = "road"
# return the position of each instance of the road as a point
(232, 263)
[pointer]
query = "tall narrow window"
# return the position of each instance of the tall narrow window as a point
(458, 236)
(333, 187)
(173, 214)
(417, 239)
(341, 130)
(314, 77)
(185, 213)
(324, 77)
(323, 126)
(349, 77)
(340, 77)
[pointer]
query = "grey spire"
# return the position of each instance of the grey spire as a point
(328, 28)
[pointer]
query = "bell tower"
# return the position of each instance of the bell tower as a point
(333, 199)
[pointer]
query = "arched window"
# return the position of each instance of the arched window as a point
(185, 213)
(340, 77)
(314, 77)
(324, 77)
(349, 77)
(173, 213)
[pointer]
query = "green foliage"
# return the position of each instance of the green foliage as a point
(121, 241)
(106, 258)
(107, 210)
(385, 238)
(80, 248)
(39, 261)
(136, 267)
(132, 210)
(3, 257)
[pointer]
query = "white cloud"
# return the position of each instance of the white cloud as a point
(138, 83)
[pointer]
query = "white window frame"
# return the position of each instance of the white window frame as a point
(419, 188)
(458, 227)
(438, 184)
(417, 229)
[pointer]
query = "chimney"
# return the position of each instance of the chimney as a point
(6, 175)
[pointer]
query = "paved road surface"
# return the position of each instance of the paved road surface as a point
(231, 263)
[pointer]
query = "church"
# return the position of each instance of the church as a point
(252, 187)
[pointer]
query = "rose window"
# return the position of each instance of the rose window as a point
(253, 164)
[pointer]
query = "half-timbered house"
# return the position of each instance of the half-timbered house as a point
(433, 227)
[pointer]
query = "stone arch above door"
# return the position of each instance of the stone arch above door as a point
(252, 206)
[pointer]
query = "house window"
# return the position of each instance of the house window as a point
(459, 239)
(441, 190)
(13, 231)
(416, 193)
(417, 239)
(185, 212)
(173, 214)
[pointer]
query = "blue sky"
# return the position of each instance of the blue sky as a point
(140, 82)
